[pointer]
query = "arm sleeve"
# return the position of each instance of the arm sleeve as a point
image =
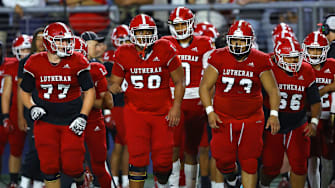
(85, 80)
(313, 95)
(174, 63)
(28, 83)
(118, 70)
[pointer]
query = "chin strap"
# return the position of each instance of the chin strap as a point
(142, 52)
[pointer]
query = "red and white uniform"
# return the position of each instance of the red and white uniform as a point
(238, 102)
(59, 93)
(323, 143)
(95, 132)
(291, 138)
(147, 102)
(194, 114)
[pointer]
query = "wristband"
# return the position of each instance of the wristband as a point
(274, 113)
(5, 116)
(209, 109)
(82, 116)
(315, 121)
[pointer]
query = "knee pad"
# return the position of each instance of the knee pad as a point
(163, 177)
(139, 176)
(51, 177)
(249, 165)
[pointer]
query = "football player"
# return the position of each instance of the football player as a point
(120, 156)
(236, 117)
(315, 48)
(59, 76)
(95, 132)
(191, 50)
(296, 81)
(148, 65)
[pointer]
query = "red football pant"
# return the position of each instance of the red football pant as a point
(117, 114)
(15, 138)
(295, 144)
(144, 133)
(323, 144)
(58, 149)
(95, 138)
(238, 138)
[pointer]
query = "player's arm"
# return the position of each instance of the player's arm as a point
(108, 102)
(26, 87)
(313, 98)
(87, 87)
(328, 88)
(116, 82)
(5, 102)
(206, 92)
(178, 79)
(6, 94)
(22, 123)
(270, 85)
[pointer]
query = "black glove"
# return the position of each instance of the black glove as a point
(78, 124)
(37, 112)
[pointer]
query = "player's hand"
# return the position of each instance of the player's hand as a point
(174, 116)
(37, 112)
(78, 125)
(109, 122)
(22, 123)
(7, 123)
(115, 89)
(310, 129)
(212, 119)
(273, 122)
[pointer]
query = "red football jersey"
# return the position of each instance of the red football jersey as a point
(98, 73)
(191, 60)
(238, 86)
(148, 79)
(108, 56)
(57, 83)
(293, 88)
(325, 76)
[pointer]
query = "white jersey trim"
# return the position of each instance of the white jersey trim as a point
(190, 93)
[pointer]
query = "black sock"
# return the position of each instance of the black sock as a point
(205, 182)
(14, 177)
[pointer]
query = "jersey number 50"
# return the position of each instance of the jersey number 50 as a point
(154, 81)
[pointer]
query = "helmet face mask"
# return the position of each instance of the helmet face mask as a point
(315, 48)
(143, 30)
(182, 29)
(239, 45)
(58, 39)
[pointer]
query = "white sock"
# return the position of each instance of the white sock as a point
(213, 184)
(161, 185)
(219, 185)
(116, 180)
(25, 182)
(232, 183)
(326, 171)
(38, 184)
(175, 175)
(125, 181)
(190, 175)
(313, 172)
